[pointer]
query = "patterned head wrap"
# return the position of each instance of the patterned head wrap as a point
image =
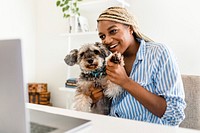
(121, 15)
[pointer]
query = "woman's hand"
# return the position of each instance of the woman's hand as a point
(96, 94)
(116, 73)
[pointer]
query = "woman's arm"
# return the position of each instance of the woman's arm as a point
(166, 100)
(154, 103)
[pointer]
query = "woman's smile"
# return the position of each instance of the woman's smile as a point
(113, 46)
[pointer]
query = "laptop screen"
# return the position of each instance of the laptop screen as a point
(14, 118)
(12, 112)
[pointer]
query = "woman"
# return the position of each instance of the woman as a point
(151, 79)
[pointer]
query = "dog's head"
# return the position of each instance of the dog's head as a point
(89, 57)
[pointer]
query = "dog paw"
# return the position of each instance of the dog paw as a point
(117, 58)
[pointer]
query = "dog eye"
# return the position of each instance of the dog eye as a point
(96, 52)
(81, 54)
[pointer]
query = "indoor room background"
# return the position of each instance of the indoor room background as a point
(43, 31)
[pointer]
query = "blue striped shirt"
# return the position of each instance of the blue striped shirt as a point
(155, 68)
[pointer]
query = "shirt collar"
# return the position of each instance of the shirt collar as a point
(142, 49)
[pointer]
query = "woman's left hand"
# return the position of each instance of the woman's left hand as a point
(96, 94)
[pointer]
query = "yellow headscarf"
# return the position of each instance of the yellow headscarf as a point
(121, 15)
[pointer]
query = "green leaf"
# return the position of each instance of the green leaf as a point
(65, 8)
(66, 15)
(75, 4)
(62, 5)
(66, 2)
(58, 3)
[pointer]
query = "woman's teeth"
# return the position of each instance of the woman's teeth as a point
(113, 46)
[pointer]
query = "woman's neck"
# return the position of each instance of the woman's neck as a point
(132, 50)
(130, 55)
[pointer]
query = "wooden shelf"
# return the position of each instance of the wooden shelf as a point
(67, 89)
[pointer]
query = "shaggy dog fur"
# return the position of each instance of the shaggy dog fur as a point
(92, 60)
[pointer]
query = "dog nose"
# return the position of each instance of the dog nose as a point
(90, 61)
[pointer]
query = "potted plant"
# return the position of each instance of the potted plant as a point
(70, 11)
(69, 7)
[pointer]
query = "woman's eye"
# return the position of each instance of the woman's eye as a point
(113, 31)
(102, 37)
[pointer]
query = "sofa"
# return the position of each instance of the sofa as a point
(192, 97)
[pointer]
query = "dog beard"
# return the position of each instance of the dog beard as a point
(86, 66)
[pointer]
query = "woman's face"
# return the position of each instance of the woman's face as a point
(116, 36)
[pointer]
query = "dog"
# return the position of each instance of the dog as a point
(92, 59)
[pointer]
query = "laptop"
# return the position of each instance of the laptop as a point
(14, 117)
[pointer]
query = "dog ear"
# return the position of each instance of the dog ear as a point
(98, 44)
(71, 58)
(104, 51)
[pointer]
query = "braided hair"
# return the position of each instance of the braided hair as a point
(121, 15)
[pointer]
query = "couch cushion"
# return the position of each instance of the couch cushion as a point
(192, 97)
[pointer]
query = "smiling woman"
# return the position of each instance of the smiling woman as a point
(150, 77)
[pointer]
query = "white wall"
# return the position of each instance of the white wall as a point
(17, 20)
(50, 49)
(175, 23)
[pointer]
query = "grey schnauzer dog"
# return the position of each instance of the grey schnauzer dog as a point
(92, 59)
